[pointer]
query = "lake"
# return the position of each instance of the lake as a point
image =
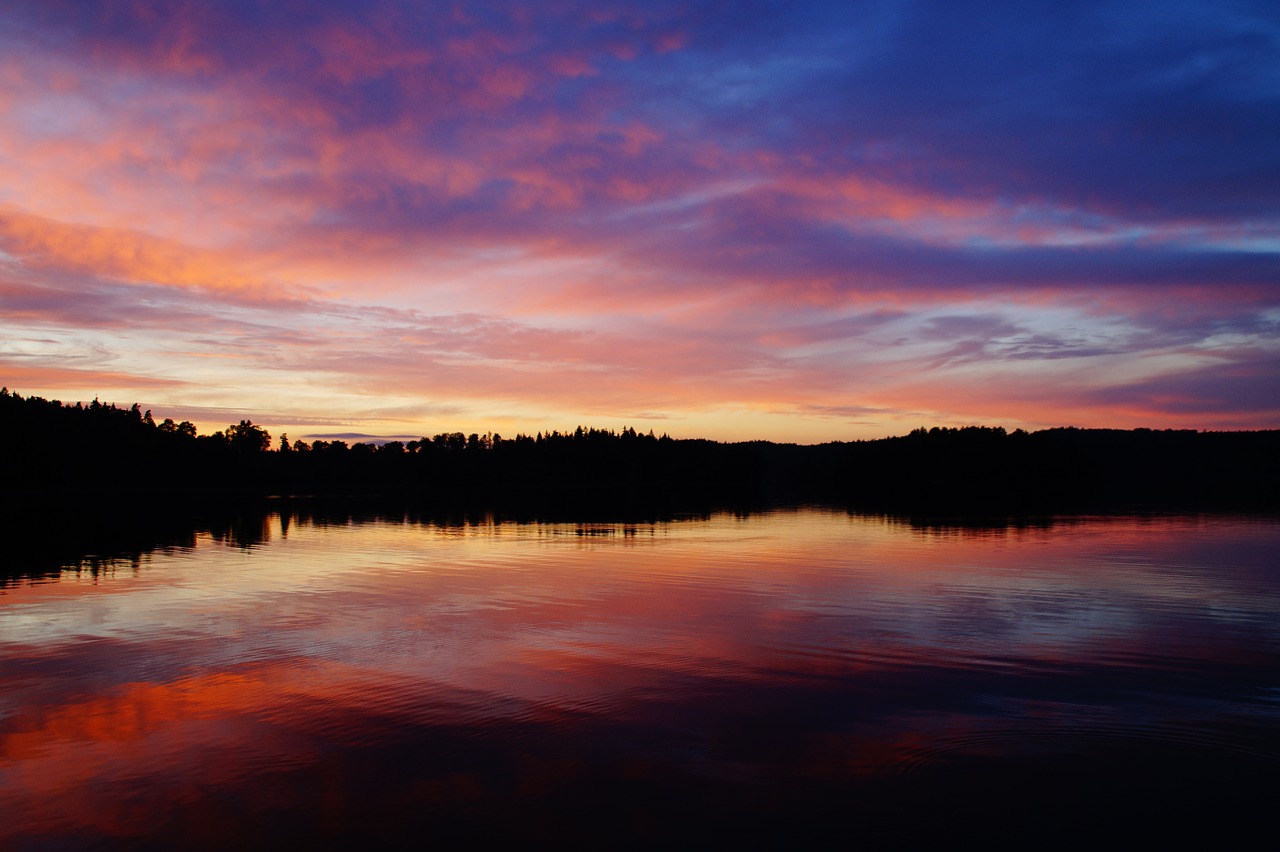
(794, 675)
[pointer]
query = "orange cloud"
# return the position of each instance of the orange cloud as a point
(130, 256)
(18, 377)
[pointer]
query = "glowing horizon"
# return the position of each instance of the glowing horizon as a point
(809, 223)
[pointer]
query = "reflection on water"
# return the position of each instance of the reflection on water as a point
(751, 677)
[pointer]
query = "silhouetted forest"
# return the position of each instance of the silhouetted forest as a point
(57, 451)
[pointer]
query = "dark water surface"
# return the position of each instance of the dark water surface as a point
(797, 675)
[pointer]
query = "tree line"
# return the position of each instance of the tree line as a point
(56, 449)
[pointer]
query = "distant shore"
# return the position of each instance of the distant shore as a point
(83, 454)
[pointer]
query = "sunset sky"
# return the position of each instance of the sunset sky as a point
(793, 221)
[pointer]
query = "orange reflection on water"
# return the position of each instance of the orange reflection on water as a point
(349, 669)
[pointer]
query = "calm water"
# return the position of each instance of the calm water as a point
(799, 673)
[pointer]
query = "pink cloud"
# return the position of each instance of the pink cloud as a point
(129, 256)
(39, 378)
(572, 66)
(603, 244)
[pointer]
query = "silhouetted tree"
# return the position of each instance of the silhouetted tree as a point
(51, 448)
(247, 438)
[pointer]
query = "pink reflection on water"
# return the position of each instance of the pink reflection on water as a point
(449, 665)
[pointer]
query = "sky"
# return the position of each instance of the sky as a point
(736, 220)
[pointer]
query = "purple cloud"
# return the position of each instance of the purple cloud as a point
(697, 210)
